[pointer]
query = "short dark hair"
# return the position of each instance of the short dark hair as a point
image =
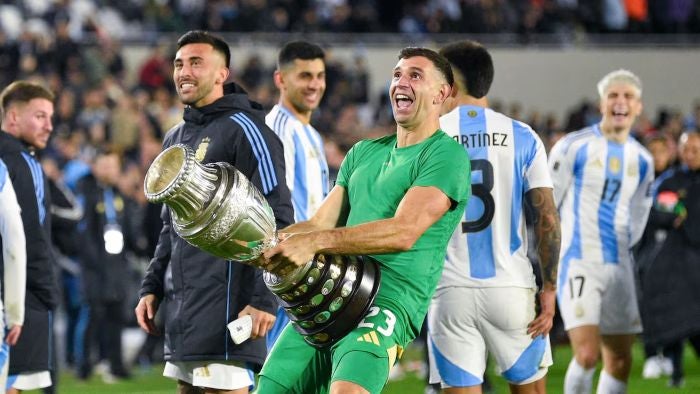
(473, 61)
(439, 61)
(299, 50)
(204, 37)
(23, 92)
(656, 137)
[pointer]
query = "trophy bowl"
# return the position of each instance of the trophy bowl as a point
(217, 209)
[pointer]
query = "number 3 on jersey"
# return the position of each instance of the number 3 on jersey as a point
(482, 191)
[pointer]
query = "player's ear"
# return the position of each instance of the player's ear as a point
(279, 81)
(12, 114)
(443, 94)
(223, 75)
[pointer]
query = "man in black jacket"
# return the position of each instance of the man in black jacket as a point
(671, 302)
(27, 109)
(223, 125)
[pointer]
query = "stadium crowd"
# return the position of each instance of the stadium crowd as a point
(99, 112)
(134, 18)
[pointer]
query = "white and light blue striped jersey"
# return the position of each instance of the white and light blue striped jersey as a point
(489, 249)
(14, 254)
(603, 191)
(305, 161)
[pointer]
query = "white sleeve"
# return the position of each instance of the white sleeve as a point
(14, 255)
(561, 170)
(641, 202)
(537, 174)
(287, 137)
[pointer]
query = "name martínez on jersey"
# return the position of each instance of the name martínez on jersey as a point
(479, 140)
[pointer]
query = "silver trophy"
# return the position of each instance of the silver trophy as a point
(215, 208)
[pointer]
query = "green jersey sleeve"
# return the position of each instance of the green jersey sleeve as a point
(447, 167)
(347, 167)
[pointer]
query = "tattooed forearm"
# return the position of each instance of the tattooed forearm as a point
(547, 232)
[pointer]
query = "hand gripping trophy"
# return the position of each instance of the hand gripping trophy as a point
(216, 208)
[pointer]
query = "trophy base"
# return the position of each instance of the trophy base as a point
(330, 299)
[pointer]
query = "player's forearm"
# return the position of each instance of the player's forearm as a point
(303, 227)
(382, 236)
(548, 245)
(548, 234)
(15, 283)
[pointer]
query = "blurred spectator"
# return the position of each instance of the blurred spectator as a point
(671, 123)
(66, 116)
(94, 115)
(279, 20)
(104, 60)
(163, 16)
(584, 115)
(221, 15)
(692, 121)
(165, 108)
(66, 213)
(308, 23)
(106, 239)
(637, 16)
(359, 80)
(646, 251)
(9, 59)
(335, 154)
(65, 53)
(339, 19)
(124, 124)
(254, 72)
(644, 127)
(252, 16)
(671, 16)
(614, 16)
(157, 69)
(671, 303)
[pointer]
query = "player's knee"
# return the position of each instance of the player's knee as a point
(619, 363)
(345, 387)
(587, 357)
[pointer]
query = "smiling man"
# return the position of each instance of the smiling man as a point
(398, 198)
(602, 179)
(301, 80)
(207, 292)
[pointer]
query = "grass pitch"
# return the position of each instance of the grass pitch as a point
(150, 380)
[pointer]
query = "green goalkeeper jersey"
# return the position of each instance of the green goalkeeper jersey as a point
(376, 175)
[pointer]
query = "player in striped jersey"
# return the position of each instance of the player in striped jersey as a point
(14, 257)
(485, 302)
(602, 180)
(301, 80)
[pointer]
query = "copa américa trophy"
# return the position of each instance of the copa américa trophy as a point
(217, 209)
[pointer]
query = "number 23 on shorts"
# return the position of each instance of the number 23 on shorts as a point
(373, 321)
(380, 321)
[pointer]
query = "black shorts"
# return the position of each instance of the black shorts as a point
(33, 351)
